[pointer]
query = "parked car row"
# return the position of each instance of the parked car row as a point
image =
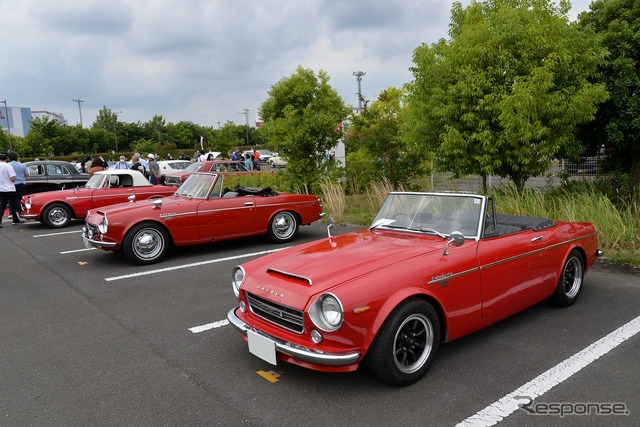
(431, 268)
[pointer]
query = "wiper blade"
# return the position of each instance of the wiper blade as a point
(431, 230)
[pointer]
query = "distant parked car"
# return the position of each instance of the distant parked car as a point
(265, 155)
(171, 166)
(277, 162)
(48, 175)
(226, 166)
(56, 209)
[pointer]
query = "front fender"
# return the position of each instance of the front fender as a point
(394, 301)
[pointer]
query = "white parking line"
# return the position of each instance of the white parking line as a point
(201, 328)
(510, 403)
(77, 250)
(57, 234)
(194, 264)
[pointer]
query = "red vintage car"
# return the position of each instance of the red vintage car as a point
(56, 209)
(224, 166)
(430, 269)
(200, 211)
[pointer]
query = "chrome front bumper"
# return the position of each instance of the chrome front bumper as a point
(296, 351)
(90, 242)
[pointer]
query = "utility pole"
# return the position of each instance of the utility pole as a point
(6, 113)
(115, 129)
(79, 101)
(358, 75)
(246, 125)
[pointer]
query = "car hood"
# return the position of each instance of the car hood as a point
(330, 262)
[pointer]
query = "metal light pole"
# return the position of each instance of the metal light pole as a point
(246, 125)
(358, 75)
(6, 113)
(115, 129)
(79, 101)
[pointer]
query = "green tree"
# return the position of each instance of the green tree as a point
(301, 117)
(617, 124)
(377, 131)
(506, 93)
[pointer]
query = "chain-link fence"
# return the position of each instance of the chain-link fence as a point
(589, 169)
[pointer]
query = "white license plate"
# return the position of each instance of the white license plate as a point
(262, 347)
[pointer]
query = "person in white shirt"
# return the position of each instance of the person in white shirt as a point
(8, 190)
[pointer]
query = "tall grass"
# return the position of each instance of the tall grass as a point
(617, 225)
(333, 199)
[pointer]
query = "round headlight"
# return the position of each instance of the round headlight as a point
(236, 279)
(27, 203)
(327, 313)
(103, 225)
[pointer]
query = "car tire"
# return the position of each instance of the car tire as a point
(272, 164)
(406, 344)
(56, 215)
(570, 281)
(146, 243)
(283, 227)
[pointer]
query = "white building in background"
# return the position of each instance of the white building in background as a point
(56, 117)
(15, 121)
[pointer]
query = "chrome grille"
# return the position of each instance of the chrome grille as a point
(277, 314)
(172, 180)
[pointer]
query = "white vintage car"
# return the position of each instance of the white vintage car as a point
(277, 162)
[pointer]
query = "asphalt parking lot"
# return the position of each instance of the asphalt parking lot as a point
(88, 339)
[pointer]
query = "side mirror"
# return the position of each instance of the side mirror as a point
(330, 223)
(157, 203)
(456, 239)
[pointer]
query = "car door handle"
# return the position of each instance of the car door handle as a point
(248, 203)
(535, 239)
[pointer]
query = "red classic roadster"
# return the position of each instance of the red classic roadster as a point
(430, 269)
(200, 211)
(56, 209)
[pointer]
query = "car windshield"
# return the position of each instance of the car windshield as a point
(179, 165)
(439, 214)
(197, 186)
(97, 181)
(193, 167)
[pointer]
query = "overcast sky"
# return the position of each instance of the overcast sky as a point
(204, 61)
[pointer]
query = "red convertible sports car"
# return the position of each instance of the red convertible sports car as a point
(200, 211)
(430, 269)
(56, 209)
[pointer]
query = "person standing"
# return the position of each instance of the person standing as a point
(122, 164)
(145, 165)
(8, 189)
(154, 169)
(21, 184)
(136, 165)
(96, 165)
(256, 159)
(248, 164)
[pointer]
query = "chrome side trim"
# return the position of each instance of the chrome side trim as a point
(448, 276)
(502, 261)
(296, 351)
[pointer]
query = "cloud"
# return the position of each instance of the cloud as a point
(203, 61)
